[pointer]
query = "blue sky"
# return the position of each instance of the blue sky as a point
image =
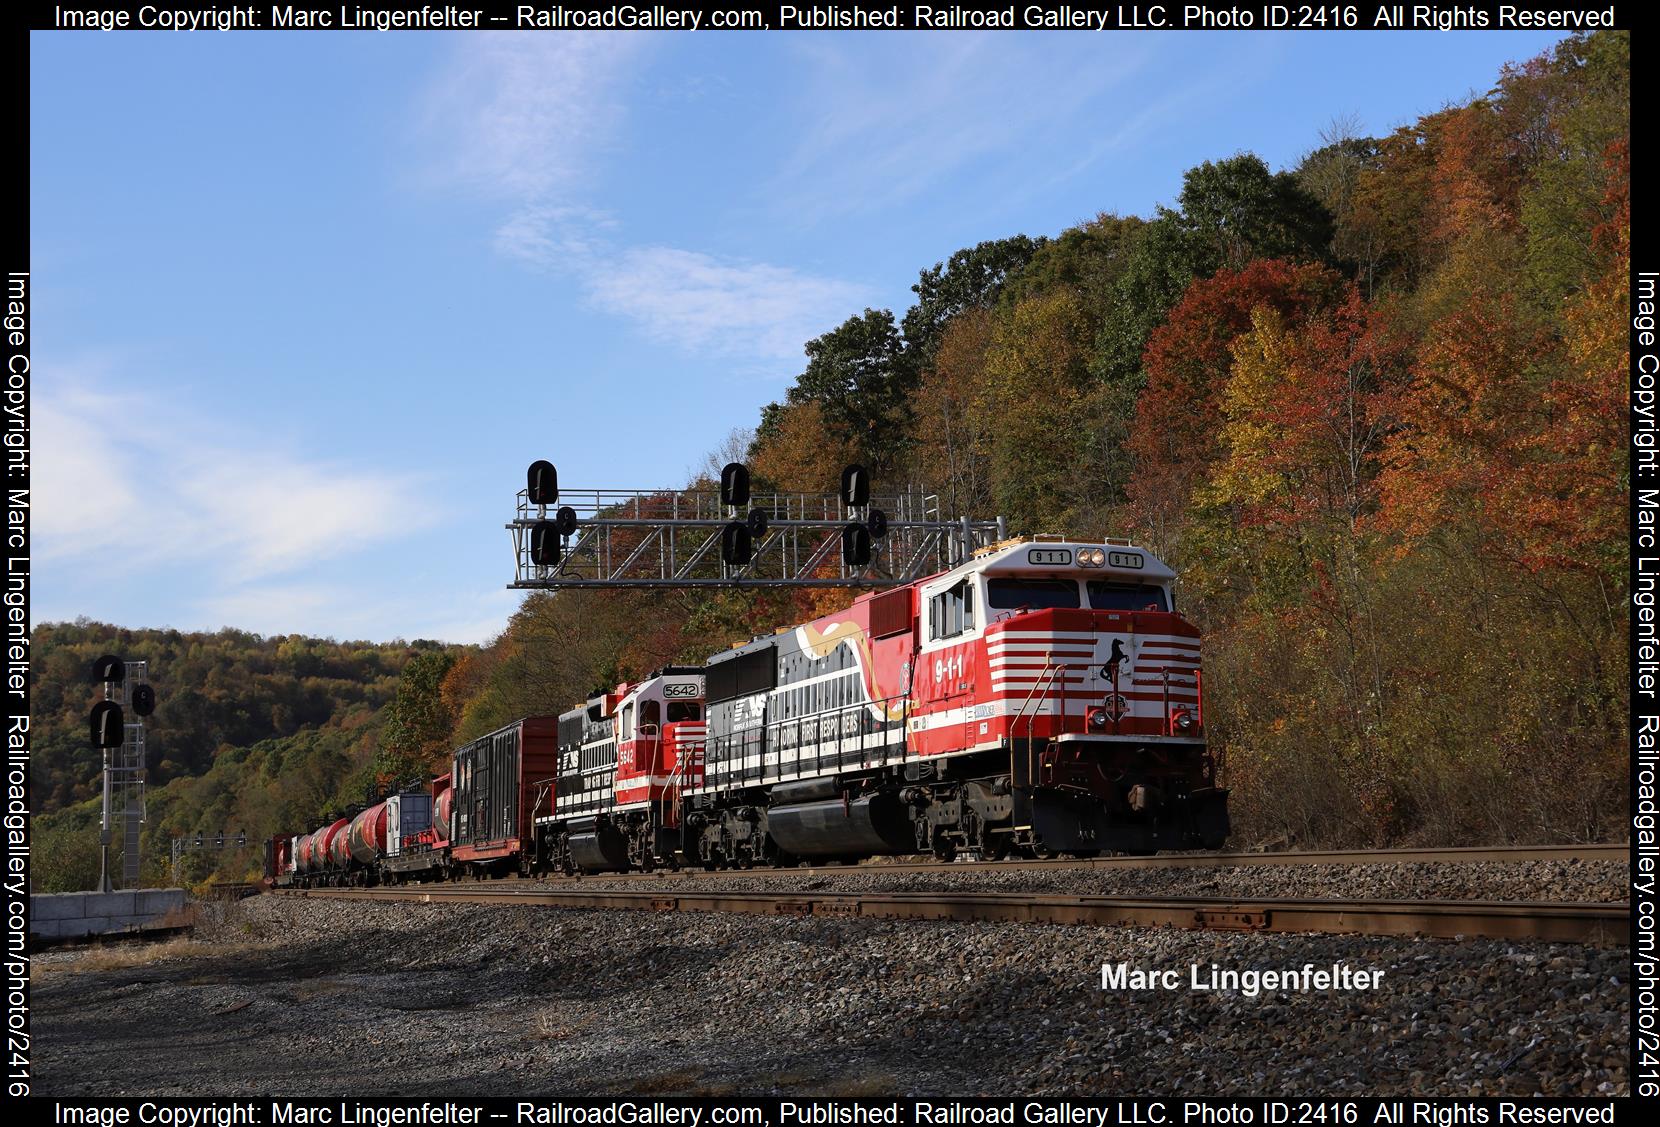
(306, 305)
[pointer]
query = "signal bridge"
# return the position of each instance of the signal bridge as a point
(733, 538)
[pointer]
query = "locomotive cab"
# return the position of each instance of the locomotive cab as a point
(1070, 661)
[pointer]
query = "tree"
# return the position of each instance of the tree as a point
(1331, 174)
(1237, 210)
(858, 375)
(419, 721)
(970, 279)
(1173, 439)
(1037, 434)
(801, 452)
(952, 430)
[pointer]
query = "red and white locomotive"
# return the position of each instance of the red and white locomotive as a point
(1042, 697)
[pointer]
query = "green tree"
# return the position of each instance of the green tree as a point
(419, 720)
(970, 279)
(859, 375)
(1237, 210)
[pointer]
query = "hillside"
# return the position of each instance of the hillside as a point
(1371, 409)
(249, 732)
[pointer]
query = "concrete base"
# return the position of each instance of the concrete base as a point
(79, 915)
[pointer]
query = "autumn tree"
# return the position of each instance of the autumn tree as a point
(418, 723)
(951, 451)
(1173, 439)
(1037, 435)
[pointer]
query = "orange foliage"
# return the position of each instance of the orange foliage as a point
(1174, 437)
(803, 455)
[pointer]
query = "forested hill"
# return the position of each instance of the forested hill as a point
(1371, 407)
(228, 689)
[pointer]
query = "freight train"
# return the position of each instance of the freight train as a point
(1044, 697)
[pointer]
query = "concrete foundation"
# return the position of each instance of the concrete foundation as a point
(79, 915)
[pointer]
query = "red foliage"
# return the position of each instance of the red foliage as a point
(1174, 437)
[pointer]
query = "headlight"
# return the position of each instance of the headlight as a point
(1092, 557)
(1184, 720)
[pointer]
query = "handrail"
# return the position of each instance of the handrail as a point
(1042, 683)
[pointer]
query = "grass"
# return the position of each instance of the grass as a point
(120, 956)
(550, 1027)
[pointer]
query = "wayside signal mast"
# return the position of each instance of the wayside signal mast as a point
(733, 538)
(121, 740)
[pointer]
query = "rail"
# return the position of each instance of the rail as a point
(1603, 924)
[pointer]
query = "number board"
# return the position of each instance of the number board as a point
(1126, 560)
(1049, 557)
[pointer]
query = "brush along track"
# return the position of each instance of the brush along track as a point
(1567, 923)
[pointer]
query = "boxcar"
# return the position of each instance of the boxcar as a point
(496, 780)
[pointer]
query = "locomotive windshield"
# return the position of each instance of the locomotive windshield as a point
(1032, 594)
(1050, 594)
(1126, 596)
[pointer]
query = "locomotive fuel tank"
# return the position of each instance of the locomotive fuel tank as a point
(871, 824)
(597, 846)
(366, 836)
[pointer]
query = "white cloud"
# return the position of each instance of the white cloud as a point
(883, 123)
(168, 487)
(694, 301)
(702, 303)
(527, 115)
(529, 119)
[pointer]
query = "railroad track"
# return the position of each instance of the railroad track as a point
(1556, 922)
(1452, 855)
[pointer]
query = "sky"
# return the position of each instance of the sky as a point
(306, 305)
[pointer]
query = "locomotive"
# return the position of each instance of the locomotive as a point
(1043, 697)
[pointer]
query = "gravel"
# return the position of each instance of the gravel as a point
(292, 996)
(1568, 880)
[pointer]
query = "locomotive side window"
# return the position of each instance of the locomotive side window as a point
(951, 612)
(627, 732)
(1126, 596)
(1032, 594)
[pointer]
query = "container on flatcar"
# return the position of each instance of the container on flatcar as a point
(443, 806)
